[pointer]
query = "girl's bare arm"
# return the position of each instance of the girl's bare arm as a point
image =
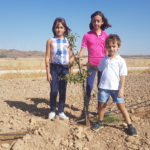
(81, 53)
(71, 59)
(71, 55)
(47, 60)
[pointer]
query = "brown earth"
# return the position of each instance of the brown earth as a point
(24, 106)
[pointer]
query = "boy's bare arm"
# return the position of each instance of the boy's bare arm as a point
(122, 85)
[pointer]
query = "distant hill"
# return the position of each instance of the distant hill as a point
(13, 53)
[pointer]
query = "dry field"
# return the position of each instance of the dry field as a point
(138, 62)
(38, 63)
(22, 64)
(24, 106)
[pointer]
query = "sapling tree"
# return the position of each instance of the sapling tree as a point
(80, 76)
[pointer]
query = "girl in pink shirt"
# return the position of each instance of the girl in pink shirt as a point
(94, 42)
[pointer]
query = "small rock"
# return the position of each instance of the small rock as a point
(27, 137)
(32, 121)
(124, 125)
(146, 148)
(147, 134)
(1, 121)
(5, 145)
(132, 111)
(85, 148)
(88, 137)
(78, 145)
(56, 142)
(36, 132)
(79, 135)
(41, 105)
(80, 129)
(137, 142)
(135, 147)
(135, 119)
(71, 144)
(65, 143)
(148, 142)
(130, 139)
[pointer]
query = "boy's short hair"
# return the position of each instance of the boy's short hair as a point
(113, 38)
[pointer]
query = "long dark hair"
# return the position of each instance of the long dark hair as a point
(104, 19)
(61, 20)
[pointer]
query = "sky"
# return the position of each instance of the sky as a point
(26, 24)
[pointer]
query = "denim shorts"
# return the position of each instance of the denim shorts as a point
(103, 96)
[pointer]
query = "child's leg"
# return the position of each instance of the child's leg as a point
(131, 130)
(62, 95)
(122, 108)
(99, 124)
(54, 84)
(89, 83)
(103, 96)
(101, 110)
(62, 90)
(121, 105)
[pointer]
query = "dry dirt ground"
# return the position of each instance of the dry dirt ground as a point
(24, 106)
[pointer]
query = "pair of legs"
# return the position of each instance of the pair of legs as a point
(121, 107)
(103, 96)
(58, 85)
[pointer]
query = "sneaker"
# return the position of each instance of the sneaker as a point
(98, 125)
(63, 116)
(51, 115)
(132, 131)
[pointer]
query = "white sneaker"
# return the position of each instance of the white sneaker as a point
(63, 116)
(51, 115)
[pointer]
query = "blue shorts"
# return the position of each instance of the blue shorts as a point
(103, 96)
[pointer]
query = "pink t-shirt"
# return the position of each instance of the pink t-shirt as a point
(95, 45)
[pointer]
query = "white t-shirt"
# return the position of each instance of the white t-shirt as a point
(112, 69)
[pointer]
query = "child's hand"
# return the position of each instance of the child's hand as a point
(80, 61)
(121, 93)
(49, 77)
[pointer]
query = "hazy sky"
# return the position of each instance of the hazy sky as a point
(26, 24)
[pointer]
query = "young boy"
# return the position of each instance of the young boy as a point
(112, 82)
